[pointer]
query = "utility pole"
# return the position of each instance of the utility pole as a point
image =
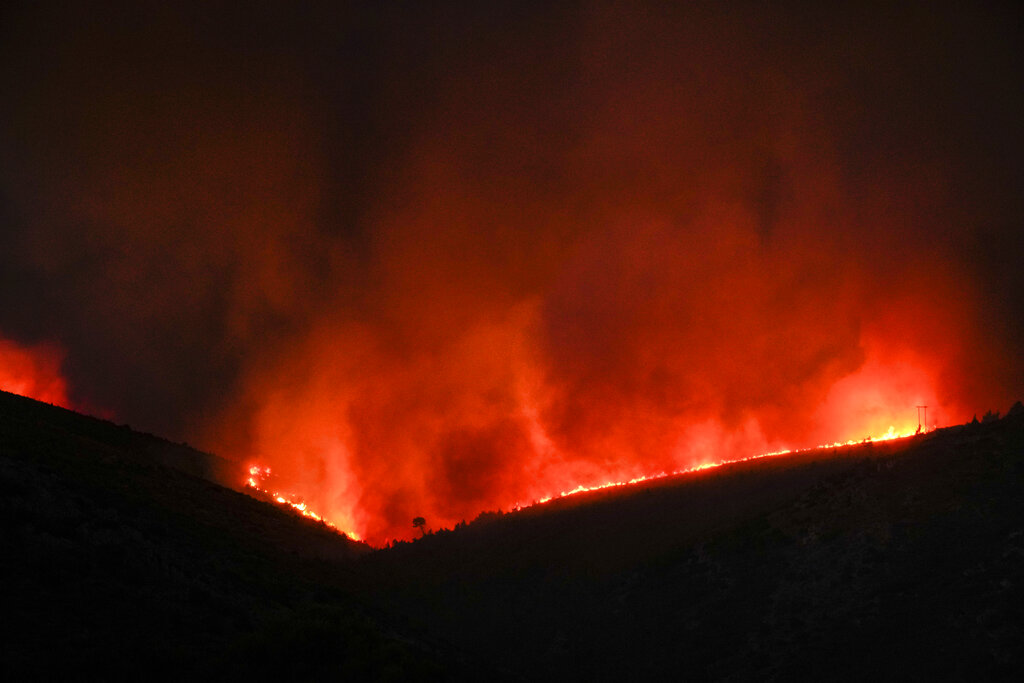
(919, 409)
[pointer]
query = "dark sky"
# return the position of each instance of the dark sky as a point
(434, 258)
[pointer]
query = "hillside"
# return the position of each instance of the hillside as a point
(118, 559)
(893, 560)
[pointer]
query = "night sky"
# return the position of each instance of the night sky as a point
(436, 258)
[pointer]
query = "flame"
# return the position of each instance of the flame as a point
(323, 433)
(258, 475)
(517, 283)
(890, 435)
(257, 478)
(33, 371)
(890, 382)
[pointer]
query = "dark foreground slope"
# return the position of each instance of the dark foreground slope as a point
(116, 559)
(902, 560)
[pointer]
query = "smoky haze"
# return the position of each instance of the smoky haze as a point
(435, 260)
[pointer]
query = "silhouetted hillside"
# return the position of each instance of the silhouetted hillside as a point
(23, 412)
(117, 559)
(899, 560)
(895, 560)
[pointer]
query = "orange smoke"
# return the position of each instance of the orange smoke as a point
(371, 435)
(435, 262)
(33, 371)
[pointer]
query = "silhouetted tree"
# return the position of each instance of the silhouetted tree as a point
(421, 524)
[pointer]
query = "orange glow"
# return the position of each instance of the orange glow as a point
(882, 395)
(639, 290)
(478, 423)
(373, 439)
(889, 435)
(33, 371)
(258, 475)
(592, 245)
(256, 481)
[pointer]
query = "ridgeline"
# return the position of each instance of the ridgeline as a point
(123, 554)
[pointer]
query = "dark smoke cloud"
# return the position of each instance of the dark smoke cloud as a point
(435, 259)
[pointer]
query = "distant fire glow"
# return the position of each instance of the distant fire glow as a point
(33, 371)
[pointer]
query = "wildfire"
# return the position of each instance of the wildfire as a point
(258, 477)
(889, 435)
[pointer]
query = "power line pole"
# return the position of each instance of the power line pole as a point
(919, 409)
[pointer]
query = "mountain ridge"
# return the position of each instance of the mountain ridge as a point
(125, 556)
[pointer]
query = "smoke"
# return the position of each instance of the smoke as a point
(432, 261)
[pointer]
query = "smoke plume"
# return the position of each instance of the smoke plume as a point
(434, 260)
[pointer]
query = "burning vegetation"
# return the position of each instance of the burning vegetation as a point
(256, 481)
(432, 262)
(899, 555)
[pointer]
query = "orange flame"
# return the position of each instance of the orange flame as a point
(256, 480)
(372, 443)
(889, 435)
(258, 476)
